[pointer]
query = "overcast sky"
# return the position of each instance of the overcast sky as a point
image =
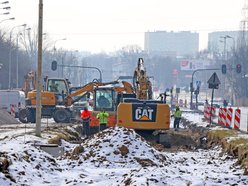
(107, 25)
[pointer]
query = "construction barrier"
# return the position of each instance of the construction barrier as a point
(220, 122)
(213, 111)
(224, 111)
(12, 110)
(207, 110)
(229, 117)
(237, 119)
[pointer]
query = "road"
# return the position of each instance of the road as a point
(13, 130)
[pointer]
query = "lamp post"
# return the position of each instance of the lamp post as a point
(54, 48)
(12, 18)
(17, 56)
(10, 38)
(225, 59)
(224, 51)
(54, 51)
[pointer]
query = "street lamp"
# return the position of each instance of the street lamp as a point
(225, 58)
(225, 52)
(10, 38)
(54, 48)
(12, 18)
(17, 57)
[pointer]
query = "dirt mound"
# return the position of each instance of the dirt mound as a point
(6, 118)
(119, 147)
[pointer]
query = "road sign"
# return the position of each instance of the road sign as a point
(214, 81)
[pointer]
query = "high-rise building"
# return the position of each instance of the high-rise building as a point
(223, 41)
(181, 43)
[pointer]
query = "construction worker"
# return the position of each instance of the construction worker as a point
(177, 115)
(85, 116)
(103, 119)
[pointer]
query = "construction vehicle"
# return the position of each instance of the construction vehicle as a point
(57, 100)
(143, 113)
(128, 106)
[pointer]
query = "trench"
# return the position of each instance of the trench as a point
(190, 137)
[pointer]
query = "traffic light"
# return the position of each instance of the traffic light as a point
(238, 68)
(54, 65)
(223, 69)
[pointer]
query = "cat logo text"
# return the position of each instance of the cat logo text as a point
(144, 112)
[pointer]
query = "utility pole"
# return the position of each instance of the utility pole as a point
(39, 79)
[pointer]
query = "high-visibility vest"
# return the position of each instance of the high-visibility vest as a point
(103, 117)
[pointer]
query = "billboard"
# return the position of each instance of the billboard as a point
(193, 64)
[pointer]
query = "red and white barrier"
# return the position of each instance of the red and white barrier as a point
(229, 117)
(207, 112)
(224, 111)
(213, 111)
(237, 119)
(12, 110)
(220, 116)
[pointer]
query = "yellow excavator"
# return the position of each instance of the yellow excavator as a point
(143, 112)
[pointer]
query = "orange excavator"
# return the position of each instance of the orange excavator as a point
(56, 99)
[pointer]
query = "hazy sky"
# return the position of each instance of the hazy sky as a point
(107, 25)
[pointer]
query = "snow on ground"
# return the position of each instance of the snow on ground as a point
(114, 157)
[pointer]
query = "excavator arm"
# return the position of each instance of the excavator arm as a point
(29, 82)
(127, 88)
(142, 84)
(84, 90)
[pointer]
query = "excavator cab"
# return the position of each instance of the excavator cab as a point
(104, 99)
(59, 87)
